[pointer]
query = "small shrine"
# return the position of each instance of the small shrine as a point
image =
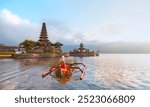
(82, 51)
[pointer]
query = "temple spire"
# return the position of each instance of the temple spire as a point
(43, 36)
(81, 45)
(43, 39)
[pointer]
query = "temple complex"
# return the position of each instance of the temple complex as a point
(43, 48)
(82, 51)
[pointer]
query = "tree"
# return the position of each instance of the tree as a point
(28, 44)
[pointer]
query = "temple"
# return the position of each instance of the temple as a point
(43, 48)
(44, 45)
(43, 39)
(82, 51)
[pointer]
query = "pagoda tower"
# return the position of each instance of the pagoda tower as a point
(82, 49)
(43, 39)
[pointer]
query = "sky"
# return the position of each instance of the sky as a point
(75, 21)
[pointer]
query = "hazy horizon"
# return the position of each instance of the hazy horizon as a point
(114, 47)
(110, 47)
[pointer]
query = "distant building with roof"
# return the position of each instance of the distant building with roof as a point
(4, 48)
(82, 52)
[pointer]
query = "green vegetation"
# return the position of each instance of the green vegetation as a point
(6, 53)
(28, 44)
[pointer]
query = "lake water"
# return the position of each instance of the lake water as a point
(106, 72)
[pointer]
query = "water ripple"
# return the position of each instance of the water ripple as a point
(106, 72)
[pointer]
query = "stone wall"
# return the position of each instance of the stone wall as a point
(83, 54)
(28, 56)
(8, 48)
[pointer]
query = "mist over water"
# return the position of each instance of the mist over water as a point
(108, 71)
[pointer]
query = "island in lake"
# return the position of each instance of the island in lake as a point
(83, 52)
(43, 48)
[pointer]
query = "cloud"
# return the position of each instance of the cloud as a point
(57, 31)
(111, 30)
(64, 36)
(11, 18)
(14, 29)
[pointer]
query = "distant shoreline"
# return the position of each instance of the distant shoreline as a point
(31, 57)
(5, 56)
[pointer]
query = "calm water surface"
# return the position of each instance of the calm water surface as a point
(106, 72)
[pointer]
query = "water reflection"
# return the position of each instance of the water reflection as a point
(108, 71)
(62, 79)
(38, 62)
(111, 72)
(121, 72)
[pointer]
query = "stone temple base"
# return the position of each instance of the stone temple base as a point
(83, 54)
(29, 55)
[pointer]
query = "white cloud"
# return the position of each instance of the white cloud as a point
(111, 30)
(124, 25)
(8, 17)
(11, 18)
(14, 29)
